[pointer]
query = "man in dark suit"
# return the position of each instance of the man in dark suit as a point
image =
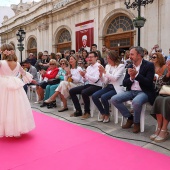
(140, 88)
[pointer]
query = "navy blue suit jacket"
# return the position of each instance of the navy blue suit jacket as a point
(145, 79)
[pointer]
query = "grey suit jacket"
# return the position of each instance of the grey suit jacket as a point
(33, 72)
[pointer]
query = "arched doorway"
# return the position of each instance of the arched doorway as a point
(32, 46)
(120, 34)
(64, 41)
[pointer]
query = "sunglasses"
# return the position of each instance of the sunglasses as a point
(62, 63)
(153, 57)
(51, 64)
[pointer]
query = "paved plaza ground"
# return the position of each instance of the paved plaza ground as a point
(115, 130)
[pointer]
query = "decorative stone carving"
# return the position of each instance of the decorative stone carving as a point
(61, 4)
(43, 26)
(20, 7)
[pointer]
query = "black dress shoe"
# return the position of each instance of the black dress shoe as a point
(51, 104)
(76, 114)
(44, 104)
(63, 109)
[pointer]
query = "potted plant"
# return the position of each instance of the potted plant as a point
(139, 21)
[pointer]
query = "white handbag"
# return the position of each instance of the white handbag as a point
(165, 90)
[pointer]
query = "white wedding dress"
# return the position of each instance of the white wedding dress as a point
(16, 116)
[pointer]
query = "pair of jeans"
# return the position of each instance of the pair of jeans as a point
(138, 99)
(86, 91)
(105, 94)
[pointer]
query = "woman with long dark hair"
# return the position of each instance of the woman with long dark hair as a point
(112, 77)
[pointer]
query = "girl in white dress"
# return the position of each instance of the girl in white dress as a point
(16, 116)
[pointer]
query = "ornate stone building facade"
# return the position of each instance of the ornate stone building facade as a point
(51, 24)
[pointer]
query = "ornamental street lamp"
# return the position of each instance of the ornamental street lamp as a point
(138, 21)
(20, 37)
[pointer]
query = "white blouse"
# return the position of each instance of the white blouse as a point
(75, 75)
(114, 75)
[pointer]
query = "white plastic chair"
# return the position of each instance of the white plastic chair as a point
(92, 107)
(142, 117)
(30, 92)
(114, 112)
(32, 88)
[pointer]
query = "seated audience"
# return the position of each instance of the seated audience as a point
(58, 57)
(31, 59)
(53, 56)
(50, 89)
(50, 73)
(43, 61)
(32, 70)
(94, 48)
(146, 56)
(160, 68)
(72, 79)
(112, 77)
(160, 110)
(104, 54)
(159, 62)
(37, 65)
(92, 76)
(140, 88)
(81, 64)
(67, 54)
(84, 58)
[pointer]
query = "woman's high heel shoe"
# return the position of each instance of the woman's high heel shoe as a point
(100, 118)
(159, 139)
(153, 136)
(51, 104)
(48, 101)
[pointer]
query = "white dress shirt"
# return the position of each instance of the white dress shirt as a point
(92, 74)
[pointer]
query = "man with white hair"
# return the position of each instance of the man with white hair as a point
(84, 41)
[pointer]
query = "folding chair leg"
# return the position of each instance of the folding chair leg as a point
(28, 93)
(92, 107)
(122, 121)
(142, 118)
(114, 112)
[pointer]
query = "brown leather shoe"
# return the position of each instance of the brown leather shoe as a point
(128, 124)
(136, 128)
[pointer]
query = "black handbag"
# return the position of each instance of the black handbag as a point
(53, 81)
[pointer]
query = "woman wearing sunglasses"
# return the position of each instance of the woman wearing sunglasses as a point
(160, 110)
(51, 73)
(50, 89)
(160, 68)
(159, 62)
(72, 79)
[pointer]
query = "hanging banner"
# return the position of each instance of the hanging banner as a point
(84, 35)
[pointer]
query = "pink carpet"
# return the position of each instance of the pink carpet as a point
(58, 145)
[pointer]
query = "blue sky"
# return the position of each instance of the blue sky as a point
(9, 2)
